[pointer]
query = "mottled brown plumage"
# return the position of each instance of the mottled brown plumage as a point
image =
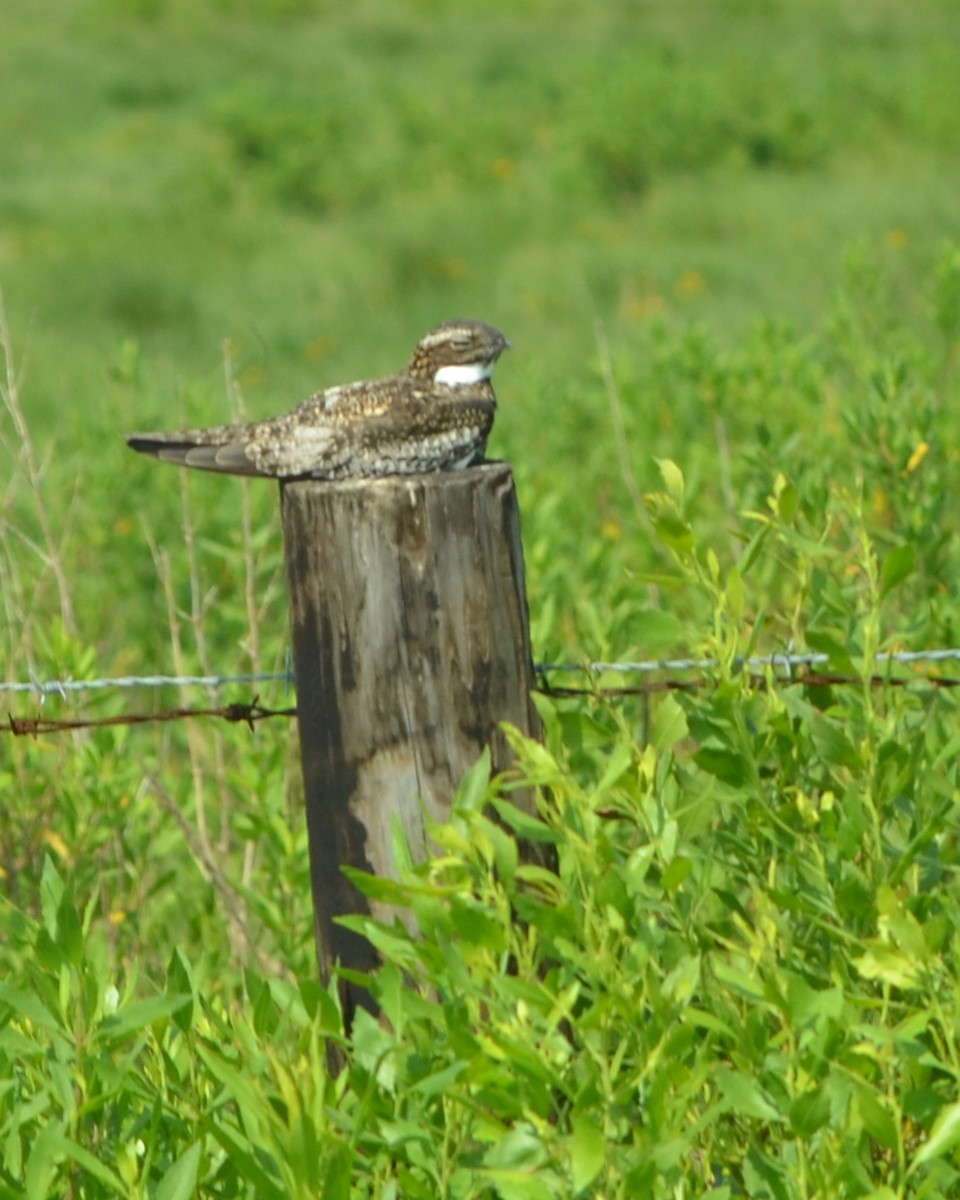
(433, 415)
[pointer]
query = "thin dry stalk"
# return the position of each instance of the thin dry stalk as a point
(726, 479)
(623, 451)
(16, 603)
(11, 598)
(199, 606)
(238, 414)
(161, 560)
(619, 428)
(256, 612)
(25, 457)
(233, 903)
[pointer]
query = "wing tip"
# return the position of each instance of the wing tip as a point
(143, 443)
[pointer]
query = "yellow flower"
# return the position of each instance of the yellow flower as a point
(320, 347)
(691, 283)
(452, 268)
(639, 307)
(56, 844)
(917, 457)
(610, 530)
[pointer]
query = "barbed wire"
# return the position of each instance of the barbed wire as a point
(63, 687)
(240, 713)
(797, 668)
(786, 662)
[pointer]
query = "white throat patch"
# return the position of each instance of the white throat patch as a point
(463, 373)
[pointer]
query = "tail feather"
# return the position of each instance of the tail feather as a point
(227, 457)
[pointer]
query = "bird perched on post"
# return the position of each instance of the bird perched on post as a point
(434, 415)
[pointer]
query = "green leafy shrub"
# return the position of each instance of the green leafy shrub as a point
(739, 975)
(740, 978)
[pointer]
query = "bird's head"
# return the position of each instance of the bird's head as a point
(458, 352)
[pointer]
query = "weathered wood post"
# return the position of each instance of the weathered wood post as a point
(411, 643)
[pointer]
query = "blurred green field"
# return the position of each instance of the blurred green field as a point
(319, 183)
(723, 238)
(311, 186)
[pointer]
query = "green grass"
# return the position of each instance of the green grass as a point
(318, 185)
(723, 240)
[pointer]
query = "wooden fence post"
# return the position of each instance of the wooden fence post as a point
(411, 643)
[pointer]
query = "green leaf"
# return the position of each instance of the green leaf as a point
(524, 825)
(765, 1175)
(336, 1184)
(519, 1185)
(180, 1179)
(944, 1136)
(832, 743)
(727, 765)
(377, 887)
(51, 893)
(678, 870)
(92, 1165)
(735, 594)
(838, 655)
(249, 1161)
(700, 1019)
(669, 724)
(474, 926)
(877, 1118)
(439, 1082)
(810, 1112)
(518, 1148)
(674, 532)
(654, 629)
(588, 1150)
(370, 1043)
(140, 1014)
(69, 935)
(472, 792)
(672, 478)
(806, 1004)
(889, 965)
(42, 1161)
(28, 1007)
(744, 1095)
(897, 566)
(681, 982)
(180, 983)
(787, 503)
(754, 546)
(620, 761)
(732, 976)
(51, 1147)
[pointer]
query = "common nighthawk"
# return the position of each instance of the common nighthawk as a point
(434, 415)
